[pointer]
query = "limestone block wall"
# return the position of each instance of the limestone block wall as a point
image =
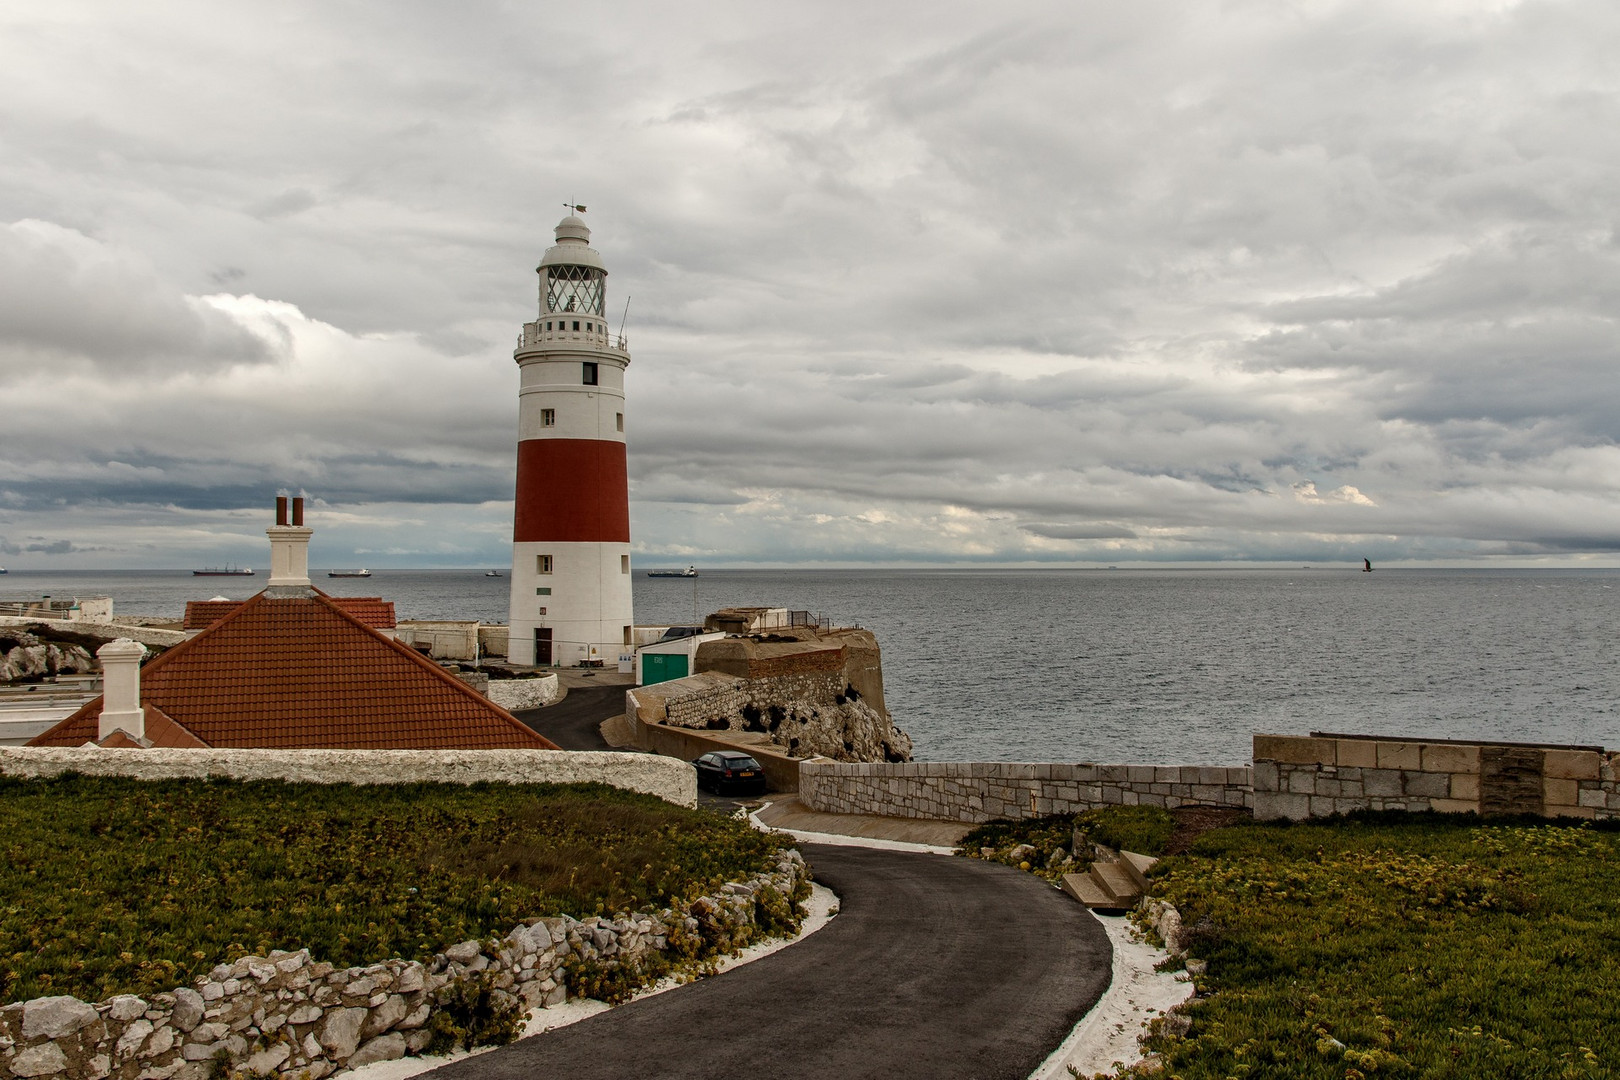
(1297, 777)
(673, 781)
(980, 791)
(286, 1015)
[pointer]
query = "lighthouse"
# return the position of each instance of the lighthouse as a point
(570, 602)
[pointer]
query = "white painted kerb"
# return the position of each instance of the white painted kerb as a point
(668, 779)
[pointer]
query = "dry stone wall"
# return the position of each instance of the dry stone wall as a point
(288, 1015)
(981, 791)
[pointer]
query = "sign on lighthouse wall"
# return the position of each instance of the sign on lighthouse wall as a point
(571, 598)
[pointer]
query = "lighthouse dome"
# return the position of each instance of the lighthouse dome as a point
(573, 228)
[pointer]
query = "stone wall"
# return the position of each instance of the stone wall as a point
(514, 694)
(781, 770)
(672, 781)
(287, 1015)
(1313, 776)
(804, 715)
(980, 791)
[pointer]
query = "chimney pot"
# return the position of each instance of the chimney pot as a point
(121, 688)
(298, 511)
(281, 509)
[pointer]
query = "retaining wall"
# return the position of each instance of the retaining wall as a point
(673, 781)
(514, 694)
(285, 1015)
(1313, 776)
(980, 791)
(781, 770)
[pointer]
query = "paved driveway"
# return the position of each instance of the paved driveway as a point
(936, 967)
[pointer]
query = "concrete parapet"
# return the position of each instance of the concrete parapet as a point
(672, 781)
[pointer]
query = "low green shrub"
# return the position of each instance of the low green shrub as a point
(472, 1013)
(1399, 945)
(1143, 829)
(112, 885)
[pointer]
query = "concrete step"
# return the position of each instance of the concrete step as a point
(1138, 866)
(1084, 888)
(1117, 882)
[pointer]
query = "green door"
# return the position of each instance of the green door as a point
(662, 667)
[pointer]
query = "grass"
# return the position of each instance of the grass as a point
(1401, 946)
(110, 885)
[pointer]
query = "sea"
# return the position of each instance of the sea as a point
(1121, 666)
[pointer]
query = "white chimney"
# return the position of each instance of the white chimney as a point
(289, 545)
(121, 688)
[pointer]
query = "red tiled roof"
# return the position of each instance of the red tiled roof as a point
(374, 611)
(303, 673)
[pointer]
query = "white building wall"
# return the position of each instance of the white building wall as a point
(588, 608)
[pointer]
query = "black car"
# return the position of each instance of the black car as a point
(730, 772)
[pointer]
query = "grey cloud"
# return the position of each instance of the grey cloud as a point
(64, 297)
(1081, 532)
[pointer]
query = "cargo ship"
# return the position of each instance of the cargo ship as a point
(690, 571)
(226, 571)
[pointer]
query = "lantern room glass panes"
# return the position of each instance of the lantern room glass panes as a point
(574, 288)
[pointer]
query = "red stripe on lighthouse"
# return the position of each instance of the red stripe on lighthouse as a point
(572, 491)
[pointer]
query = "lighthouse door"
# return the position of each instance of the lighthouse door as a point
(542, 646)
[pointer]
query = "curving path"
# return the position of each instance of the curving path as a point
(936, 967)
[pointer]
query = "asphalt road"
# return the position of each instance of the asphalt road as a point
(575, 722)
(936, 967)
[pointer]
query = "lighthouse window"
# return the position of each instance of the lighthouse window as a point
(588, 326)
(590, 374)
(624, 564)
(620, 420)
(548, 328)
(548, 417)
(542, 592)
(576, 325)
(542, 564)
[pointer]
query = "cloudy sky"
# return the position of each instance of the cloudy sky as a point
(1074, 283)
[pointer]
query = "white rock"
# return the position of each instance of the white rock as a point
(390, 1012)
(464, 953)
(162, 1041)
(312, 1046)
(418, 1016)
(39, 1060)
(340, 1033)
(188, 1008)
(268, 1060)
(410, 980)
(213, 991)
(305, 1014)
(125, 1007)
(54, 1017)
(132, 1038)
(390, 1047)
(98, 1067)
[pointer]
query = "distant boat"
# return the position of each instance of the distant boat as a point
(224, 571)
(690, 571)
(1366, 566)
(492, 573)
(362, 572)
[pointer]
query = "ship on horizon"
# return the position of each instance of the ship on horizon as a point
(224, 571)
(690, 571)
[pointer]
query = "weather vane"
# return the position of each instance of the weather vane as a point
(578, 208)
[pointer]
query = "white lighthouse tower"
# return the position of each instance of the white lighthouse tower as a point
(571, 530)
